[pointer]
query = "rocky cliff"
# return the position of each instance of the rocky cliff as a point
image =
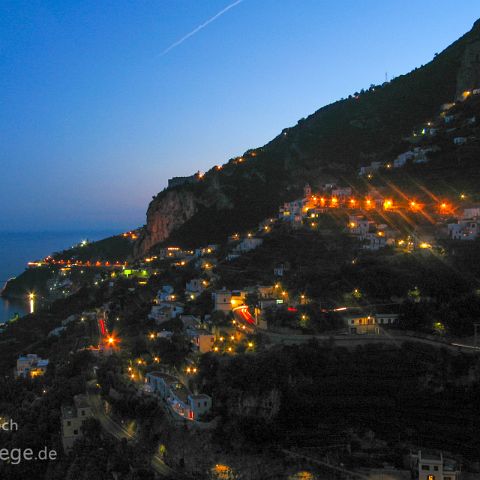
(167, 211)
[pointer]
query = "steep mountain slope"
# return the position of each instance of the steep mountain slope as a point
(328, 145)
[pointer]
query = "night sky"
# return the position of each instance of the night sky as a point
(101, 101)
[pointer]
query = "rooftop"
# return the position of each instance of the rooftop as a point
(81, 401)
(430, 455)
(164, 376)
(68, 411)
(180, 391)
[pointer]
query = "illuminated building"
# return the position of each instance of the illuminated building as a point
(225, 300)
(433, 465)
(177, 396)
(31, 365)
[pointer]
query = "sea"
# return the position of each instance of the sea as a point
(18, 248)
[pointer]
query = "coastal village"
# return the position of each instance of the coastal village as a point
(237, 321)
(167, 319)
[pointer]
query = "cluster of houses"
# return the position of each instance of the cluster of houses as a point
(375, 235)
(415, 155)
(452, 123)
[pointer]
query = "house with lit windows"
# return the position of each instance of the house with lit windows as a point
(432, 465)
(225, 300)
(31, 365)
(177, 397)
(361, 324)
(464, 229)
(194, 288)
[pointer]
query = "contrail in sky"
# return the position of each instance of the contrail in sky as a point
(200, 27)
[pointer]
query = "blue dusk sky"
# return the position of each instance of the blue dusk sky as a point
(102, 101)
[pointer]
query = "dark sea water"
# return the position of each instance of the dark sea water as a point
(18, 248)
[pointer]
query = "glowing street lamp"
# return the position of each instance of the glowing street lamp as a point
(444, 208)
(387, 204)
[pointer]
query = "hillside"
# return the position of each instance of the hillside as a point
(329, 145)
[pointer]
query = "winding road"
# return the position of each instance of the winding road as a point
(119, 431)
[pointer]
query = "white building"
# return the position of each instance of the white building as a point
(31, 365)
(402, 159)
(471, 212)
(225, 300)
(375, 241)
(165, 294)
(73, 417)
(386, 318)
(176, 395)
(431, 465)
(359, 226)
(365, 170)
(361, 324)
(208, 250)
(464, 229)
(194, 288)
(248, 244)
(200, 404)
(165, 311)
